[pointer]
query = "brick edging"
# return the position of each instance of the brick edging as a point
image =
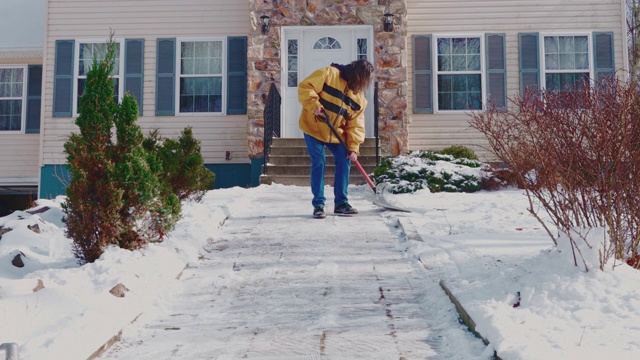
(466, 318)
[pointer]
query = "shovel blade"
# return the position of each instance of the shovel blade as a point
(384, 197)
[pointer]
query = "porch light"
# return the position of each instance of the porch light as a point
(265, 24)
(388, 22)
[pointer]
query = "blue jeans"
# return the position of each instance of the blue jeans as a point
(318, 162)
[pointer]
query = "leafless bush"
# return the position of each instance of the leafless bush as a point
(577, 156)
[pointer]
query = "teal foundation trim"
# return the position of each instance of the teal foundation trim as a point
(53, 178)
(256, 171)
(231, 175)
(53, 181)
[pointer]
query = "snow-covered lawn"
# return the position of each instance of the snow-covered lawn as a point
(525, 296)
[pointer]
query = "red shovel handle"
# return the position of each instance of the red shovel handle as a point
(325, 119)
(365, 175)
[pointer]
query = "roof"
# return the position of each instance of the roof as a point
(25, 53)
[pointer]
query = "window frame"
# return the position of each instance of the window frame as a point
(178, 61)
(76, 67)
(543, 61)
(437, 72)
(23, 115)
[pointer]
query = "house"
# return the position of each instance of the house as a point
(21, 44)
(208, 65)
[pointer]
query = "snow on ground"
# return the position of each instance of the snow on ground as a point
(484, 246)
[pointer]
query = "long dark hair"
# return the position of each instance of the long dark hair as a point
(359, 75)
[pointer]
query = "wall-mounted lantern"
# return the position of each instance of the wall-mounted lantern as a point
(388, 22)
(265, 24)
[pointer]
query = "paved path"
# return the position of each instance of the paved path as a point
(279, 284)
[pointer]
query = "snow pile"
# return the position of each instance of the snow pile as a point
(50, 300)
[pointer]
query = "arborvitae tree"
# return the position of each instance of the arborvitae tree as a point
(94, 201)
(134, 176)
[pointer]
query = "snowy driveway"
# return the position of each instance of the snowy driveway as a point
(278, 284)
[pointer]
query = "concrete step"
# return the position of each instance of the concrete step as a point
(280, 142)
(305, 170)
(303, 180)
(302, 150)
(366, 160)
(289, 163)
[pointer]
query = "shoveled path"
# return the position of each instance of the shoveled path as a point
(278, 284)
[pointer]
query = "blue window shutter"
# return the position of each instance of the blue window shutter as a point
(63, 78)
(34, 97)
(422, 75)
(165, 77)
(529, 61)
(496, 70)
(134, 69)
(237, 75)
(603, 56)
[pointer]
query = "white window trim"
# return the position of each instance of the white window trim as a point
(23, 116)
(179, 41)
(436, 72)
(543, 65)
(76, 68)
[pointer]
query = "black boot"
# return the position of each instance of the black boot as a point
(318, 212)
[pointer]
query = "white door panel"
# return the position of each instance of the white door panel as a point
(318, 47)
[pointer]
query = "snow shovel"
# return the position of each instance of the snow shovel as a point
(378, 191)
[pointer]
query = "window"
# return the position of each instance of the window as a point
(566, 62)
(362, 49)
(292, 63)
(201, 76)
(327, 42)
(459, 73)
(87, 51)
(12, 98)
(201, 79)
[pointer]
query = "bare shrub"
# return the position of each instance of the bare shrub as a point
(576, 154)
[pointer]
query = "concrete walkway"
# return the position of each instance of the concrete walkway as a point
(279, 284)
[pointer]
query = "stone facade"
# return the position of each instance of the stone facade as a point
(390, 54)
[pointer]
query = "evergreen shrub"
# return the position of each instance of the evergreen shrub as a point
(122, 191)
(437, 171)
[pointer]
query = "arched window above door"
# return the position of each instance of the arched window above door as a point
(327, 42)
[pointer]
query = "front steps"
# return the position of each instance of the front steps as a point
(289, 163)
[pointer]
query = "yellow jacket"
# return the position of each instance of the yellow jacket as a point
(325, 88)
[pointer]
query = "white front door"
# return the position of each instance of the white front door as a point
(306, 49)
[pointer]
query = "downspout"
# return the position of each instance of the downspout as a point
(43, 99)
(376, 115)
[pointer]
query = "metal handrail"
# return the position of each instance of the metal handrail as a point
(271, 123)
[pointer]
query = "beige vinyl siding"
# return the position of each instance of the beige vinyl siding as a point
(150, 20)
(509, 17)
(19, 151)
(19, 159)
